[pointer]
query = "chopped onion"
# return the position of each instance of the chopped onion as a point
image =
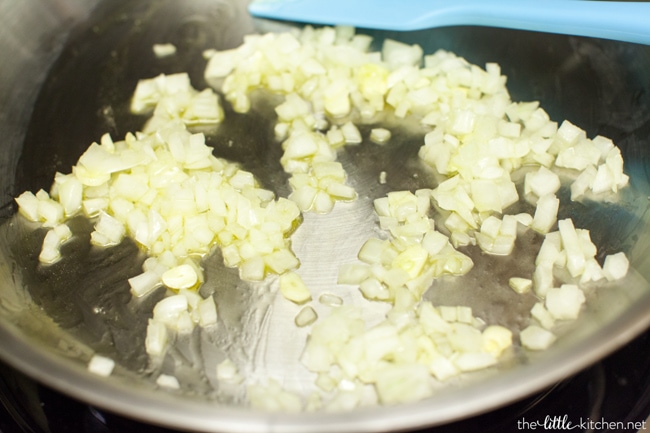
(101, 365)
(330, 300)
(293, 288)
(271, 397)
(163, 188)
(167, 381)
(536, 338)
(380, 135)
(565, 303)
(144, 283)
(353, 273)
(207, 310)
(403, 383)
(172, 97)
(398, 54)
(180, 277)
(157, 338)
(305, 317)
(542, 315)
(545, 213)
(168, 309)
(575, 258)
(496, 339)
(616, 266)
(474, 361)
(54, 238)
(164, 50)
(227, 371)
(542, 182)
(28, 205)
(520, 285)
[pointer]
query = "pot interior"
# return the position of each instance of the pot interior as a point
(54, 318)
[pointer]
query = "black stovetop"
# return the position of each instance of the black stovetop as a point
(612, 395)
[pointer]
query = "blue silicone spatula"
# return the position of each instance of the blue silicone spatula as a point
(617, 20)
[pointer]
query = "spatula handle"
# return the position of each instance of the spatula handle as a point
(624, 21)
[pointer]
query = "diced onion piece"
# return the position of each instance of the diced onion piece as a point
(62, 232)
(398, 54)
(403, 383)
(524, 219)
(180, 277)
(157, 338)
(411, 260)
(351, 133)
(70, 195)
(545, 213)
(372, 288)
(50, 250)
(543, 278)
(448, 313)
(579, 156)
(372, 251)
(300, 146)
(326, 382)
(593, 271)
(603, 181)
(474, 361)
(536, 338)
(28, 205)
(101, 365)
(252, 269)
(380, 135)
(93, 207)
(352, 273)
(520, 285)
(564, 303)
(207, 311)
(575, 257)
(335, 136)
(616, 266)
(108, 231)
(164, 50)
(569, 133)
(341, 192)
(167, 381)
(583, 182)
(542, 315)
(293, 288)
(541, 182)
(485, 195)
(496, 339)
(281, 261)
(149, 92)
(330, 300)
(50, 212)
(305, 317)
(144, 283)
(495, 237)
(442, 368)
(168, 309)
(227, 371)
(272, 397)
(550, 250)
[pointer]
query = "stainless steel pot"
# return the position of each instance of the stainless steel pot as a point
(69, 69)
